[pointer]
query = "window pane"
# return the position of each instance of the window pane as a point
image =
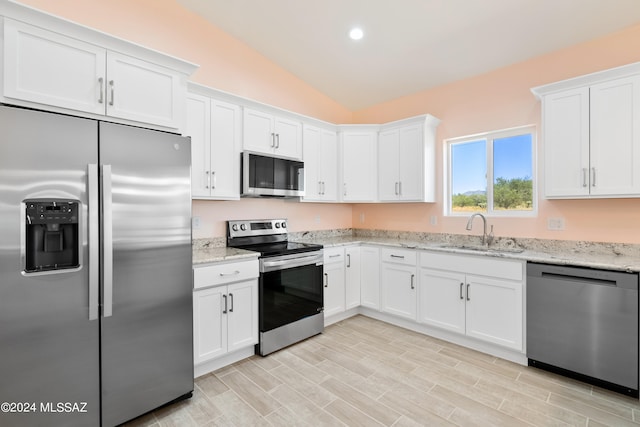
(469, 176)
(512, 173)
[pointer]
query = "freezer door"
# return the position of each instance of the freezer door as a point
(147, 338)
(49, 349)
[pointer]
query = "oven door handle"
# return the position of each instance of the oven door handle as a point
(267, 266)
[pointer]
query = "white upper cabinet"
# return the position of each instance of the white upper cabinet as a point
(359, 165)
(406, 161)
(215, 130)
(591, 135)
(83, 71)
(270, 134)
(320, 147)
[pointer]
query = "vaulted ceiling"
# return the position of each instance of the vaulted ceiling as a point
(408, 45)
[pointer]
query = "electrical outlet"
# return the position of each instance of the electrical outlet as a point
(555, 224)
(433, 220)
(195, 222)
(361, 217)
(317, 219)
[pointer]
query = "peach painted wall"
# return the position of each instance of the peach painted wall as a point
(498, 100)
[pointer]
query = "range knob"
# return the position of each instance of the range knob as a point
(243, 227)
(284, 224)
(234, 227)
(277, 225)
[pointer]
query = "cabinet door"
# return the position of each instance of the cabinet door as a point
(370, 277)
(494, 311)
(352, 277)
(51, 69)
(209, 324)
(615, 137)
(242, 314)
(198, 127)
(258, 134)
(329, 165)
(389, 165)
(333, 288)
(145, 92)
(566, 143)
(442, 299)
(312, 139)
(225, 150)
(288, 138)
(411, 159)
(359, 166)
(399, 290)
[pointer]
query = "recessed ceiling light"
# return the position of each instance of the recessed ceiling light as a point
(356, 33)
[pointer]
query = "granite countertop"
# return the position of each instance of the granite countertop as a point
(609, 256)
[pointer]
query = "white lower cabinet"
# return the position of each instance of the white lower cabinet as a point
(481, 298)
(352, 277)
(225, 309)
(370, 277)
(398, 283)
(334, 281)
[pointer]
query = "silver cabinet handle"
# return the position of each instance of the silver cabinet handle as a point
(593, 177)
(94, 241)
(468, 285)
(235, 273)
(326, 280)
(231, 298)
(107, 242)
(323, 188)
(396, 188)
(111, 85)
(225, 304)
(208, 179)
(345, 189)
(397, 256)
(277, 140)
(348, 260)
(273, 140)
(334, 256)
(584, 177)
(399, 188)
(461, 286)
(215, 180)
(413, 276)
(101, 84)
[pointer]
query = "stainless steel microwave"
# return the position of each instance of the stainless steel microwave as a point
(264, 175)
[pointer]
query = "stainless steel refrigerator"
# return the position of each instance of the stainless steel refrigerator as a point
(95, 270)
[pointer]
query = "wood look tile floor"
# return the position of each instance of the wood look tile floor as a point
(363, 372)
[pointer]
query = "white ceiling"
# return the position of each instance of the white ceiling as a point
(409, 45)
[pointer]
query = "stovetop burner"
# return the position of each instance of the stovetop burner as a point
(268, 236)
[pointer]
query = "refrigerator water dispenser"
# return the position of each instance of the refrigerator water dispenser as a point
(51, 235)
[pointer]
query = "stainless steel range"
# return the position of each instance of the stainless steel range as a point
(290, 287)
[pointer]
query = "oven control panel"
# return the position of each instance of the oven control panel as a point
(261, 227)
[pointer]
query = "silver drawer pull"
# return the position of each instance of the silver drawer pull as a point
(335, 256)
(235, 273)
(397, 256)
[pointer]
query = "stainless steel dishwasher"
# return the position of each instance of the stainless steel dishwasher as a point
(583, 323)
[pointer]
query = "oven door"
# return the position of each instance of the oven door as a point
(290, 289)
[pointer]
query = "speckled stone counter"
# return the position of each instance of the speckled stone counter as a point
(206, 254)
(609, 256)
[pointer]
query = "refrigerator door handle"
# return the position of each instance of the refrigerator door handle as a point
(107, 242)
(94, 241)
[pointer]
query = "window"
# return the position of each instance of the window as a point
(492, 173)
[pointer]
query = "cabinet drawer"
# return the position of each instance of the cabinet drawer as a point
(218, 274)
(399, 256)
(477, 265)
(332, 255)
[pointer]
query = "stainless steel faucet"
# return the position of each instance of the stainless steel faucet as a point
(485, 238)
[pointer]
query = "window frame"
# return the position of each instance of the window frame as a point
(489, 138)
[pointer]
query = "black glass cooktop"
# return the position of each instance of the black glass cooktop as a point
(282, 248)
